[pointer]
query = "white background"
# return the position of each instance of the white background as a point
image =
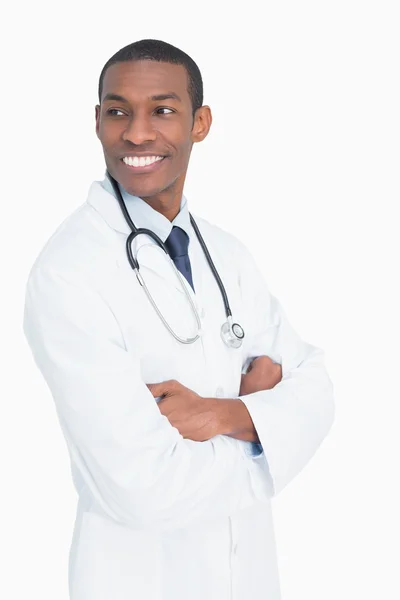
(302, 164)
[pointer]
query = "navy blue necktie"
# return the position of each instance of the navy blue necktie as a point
(177, 243)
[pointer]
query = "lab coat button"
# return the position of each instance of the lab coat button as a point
(235, 549)
(202, 313)
(219, 392)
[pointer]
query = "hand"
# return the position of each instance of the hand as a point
(262, 374)
(196, 418)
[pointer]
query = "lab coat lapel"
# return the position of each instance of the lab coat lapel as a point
(152, 260)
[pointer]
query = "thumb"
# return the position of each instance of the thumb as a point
(157, 389)
(163, 388)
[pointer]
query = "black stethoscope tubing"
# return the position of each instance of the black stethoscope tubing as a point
(135, 231)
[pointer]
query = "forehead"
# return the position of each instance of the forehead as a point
(144, 78)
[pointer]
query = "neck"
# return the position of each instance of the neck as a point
(165, 203)
(168, 201)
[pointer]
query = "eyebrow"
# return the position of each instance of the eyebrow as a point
(156, 98)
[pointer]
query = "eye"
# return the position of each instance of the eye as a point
(111, 110)
(164, 108)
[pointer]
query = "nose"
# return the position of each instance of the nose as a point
(139, 130)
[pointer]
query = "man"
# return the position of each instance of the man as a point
(174, 496)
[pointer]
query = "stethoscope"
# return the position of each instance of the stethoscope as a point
(231, 333)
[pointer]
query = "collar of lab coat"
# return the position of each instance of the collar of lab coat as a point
(102, 198)
(141, 213)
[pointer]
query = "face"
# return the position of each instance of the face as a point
(146, 116)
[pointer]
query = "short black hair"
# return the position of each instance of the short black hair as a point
(161, 52)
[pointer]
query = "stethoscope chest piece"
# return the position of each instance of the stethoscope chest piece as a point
(232, 334)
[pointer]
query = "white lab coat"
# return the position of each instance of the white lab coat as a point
(160, 517)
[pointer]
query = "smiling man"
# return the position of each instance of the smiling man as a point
(147, 123)
(186, 399)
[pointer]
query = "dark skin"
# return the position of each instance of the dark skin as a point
(143, 125)
(200, 419)
(146, 109)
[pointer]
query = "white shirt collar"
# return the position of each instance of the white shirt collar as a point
(144, 216)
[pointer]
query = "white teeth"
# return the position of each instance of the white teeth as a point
(136, 161)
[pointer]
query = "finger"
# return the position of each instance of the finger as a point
(162, 388)
(262, 359)
(157, 389)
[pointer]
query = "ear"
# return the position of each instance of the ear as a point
(202, 124)
(97, 116)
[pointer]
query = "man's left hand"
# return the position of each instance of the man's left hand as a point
(195, 417)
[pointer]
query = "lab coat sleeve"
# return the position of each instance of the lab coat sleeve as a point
(293, 418)
(137, 466)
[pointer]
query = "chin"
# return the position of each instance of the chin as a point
(143, 190)
(147, 187)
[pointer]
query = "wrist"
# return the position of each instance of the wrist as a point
(231, 416)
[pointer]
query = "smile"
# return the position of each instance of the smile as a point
(142, 164)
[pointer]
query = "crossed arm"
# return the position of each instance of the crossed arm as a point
(200, 419)
(137, 467)
(289, 415)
